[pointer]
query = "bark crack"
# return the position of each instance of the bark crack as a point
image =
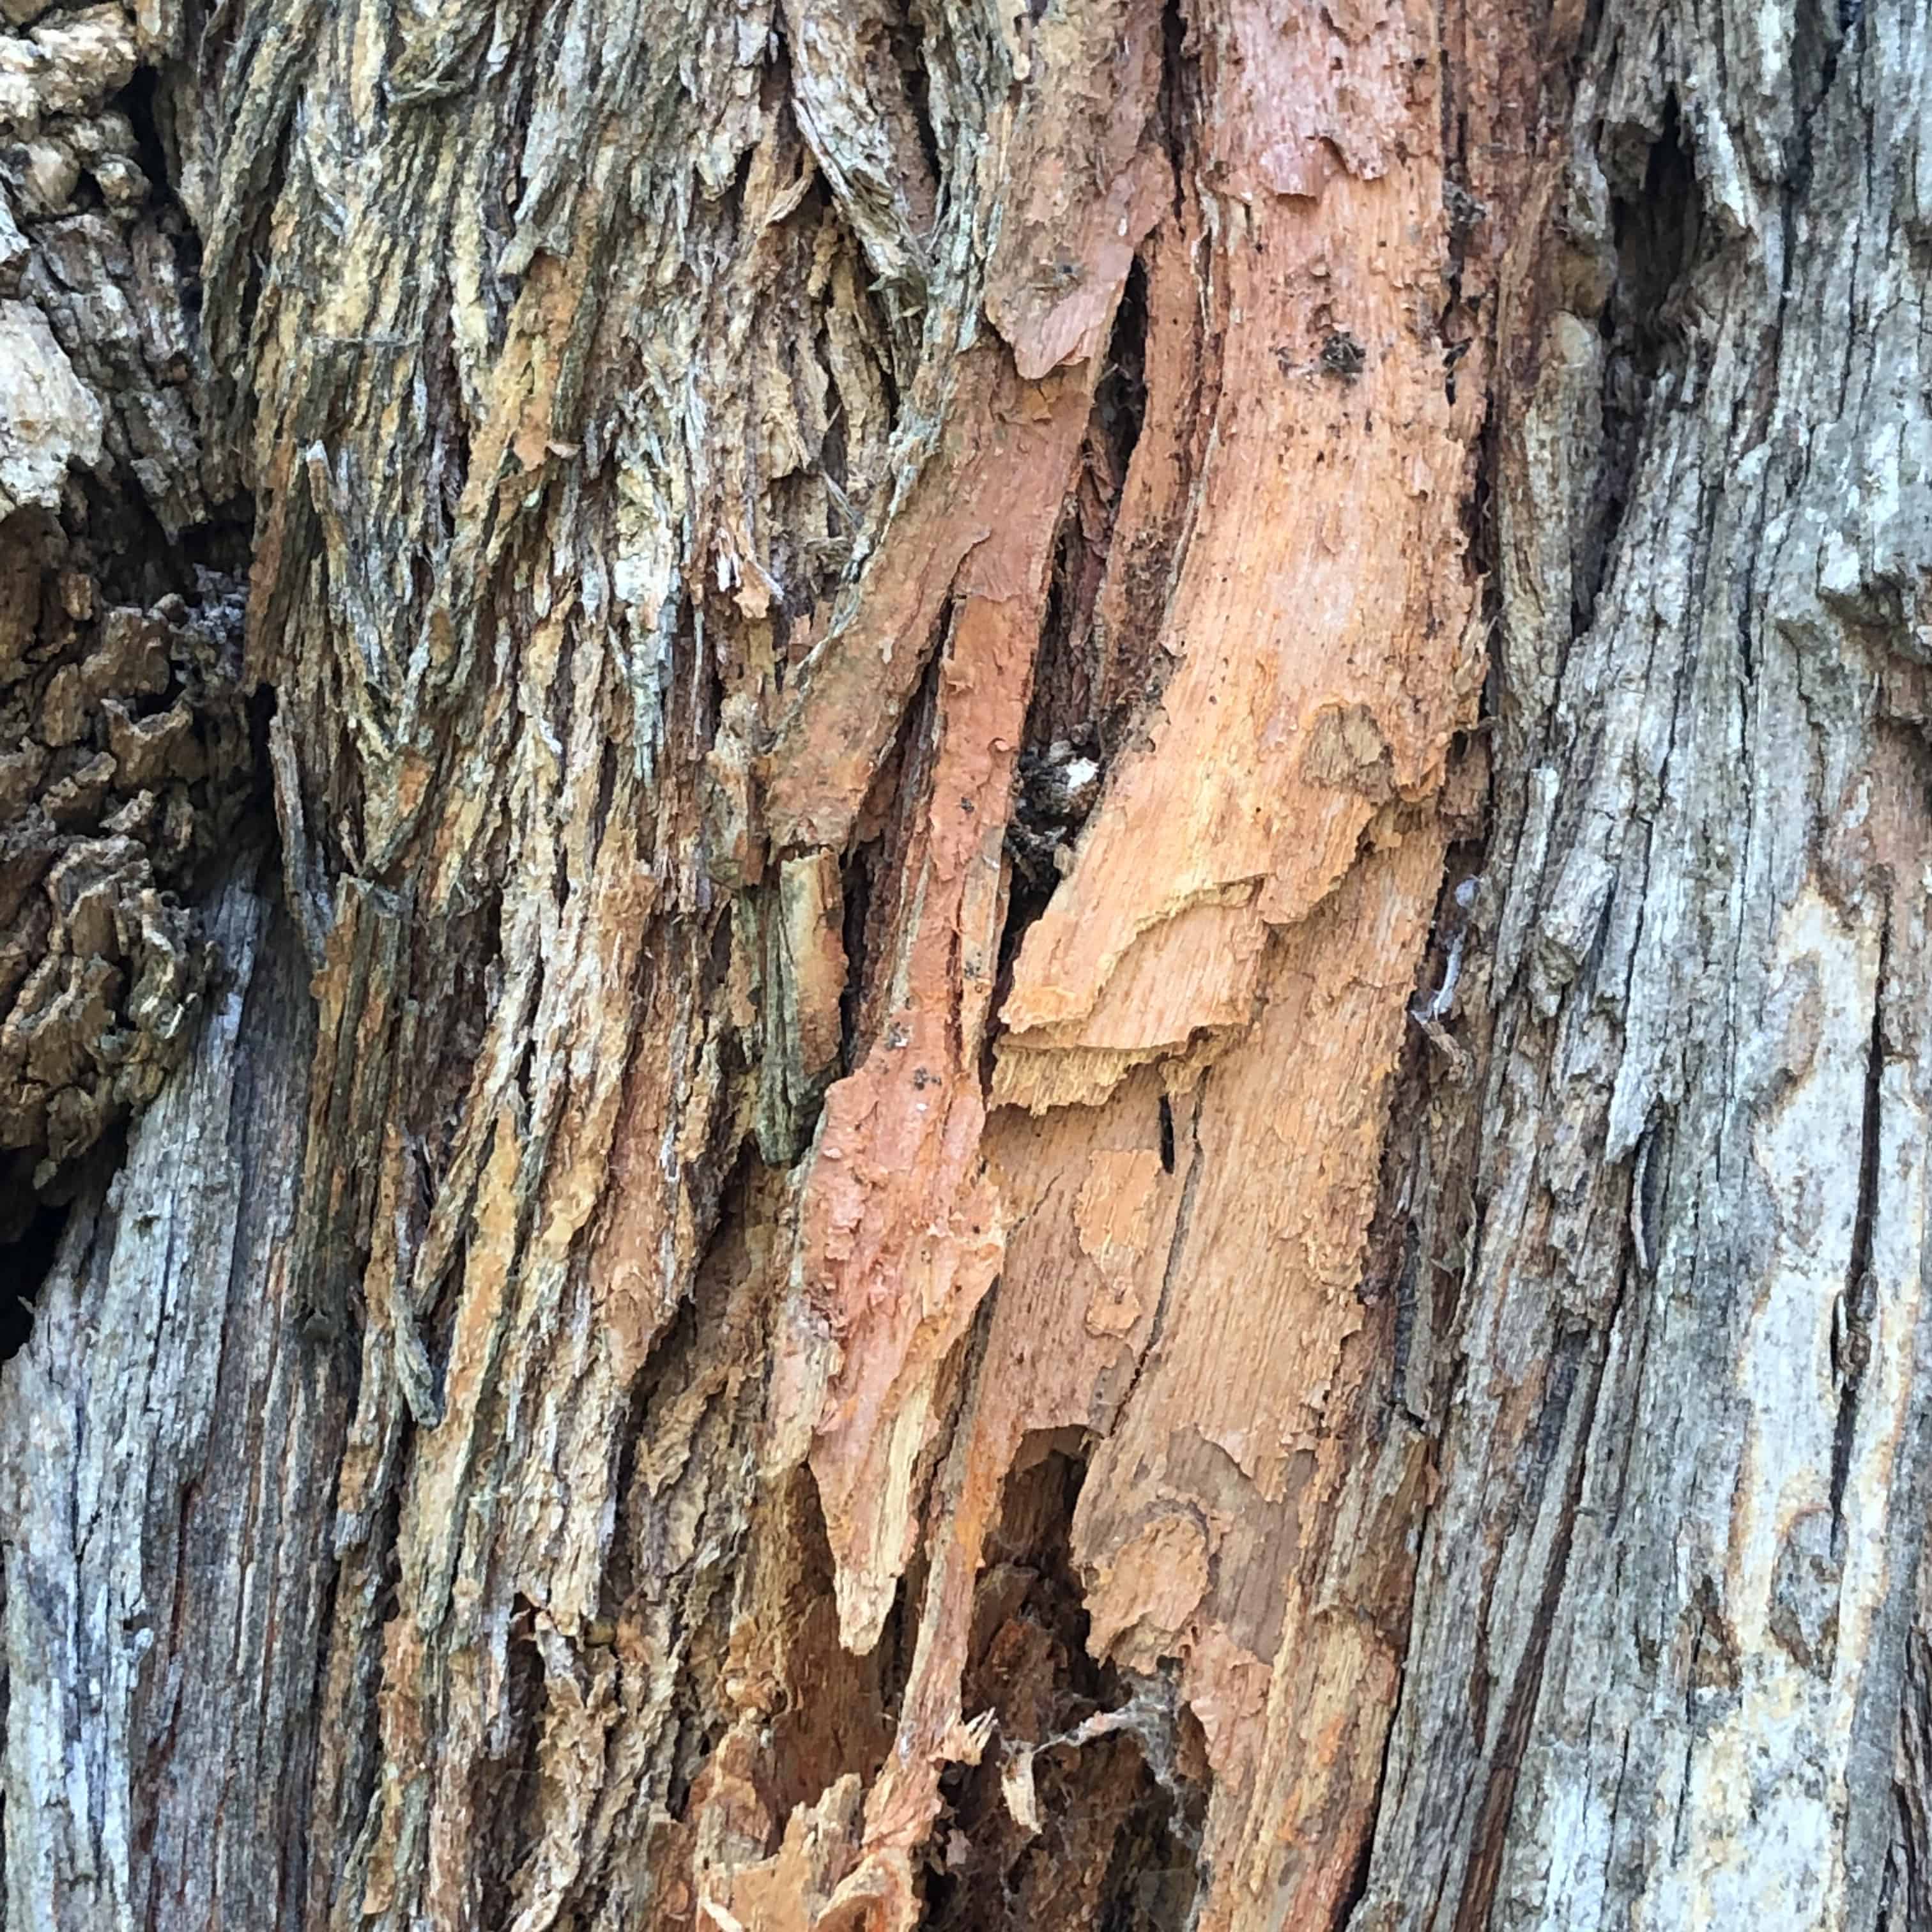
(1177, 1247)
(1852, 1320)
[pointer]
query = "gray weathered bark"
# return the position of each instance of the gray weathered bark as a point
(1661, 1637)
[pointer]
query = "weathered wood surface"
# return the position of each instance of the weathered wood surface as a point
(1660, 1619)
(701, 1337)
(167, 1453)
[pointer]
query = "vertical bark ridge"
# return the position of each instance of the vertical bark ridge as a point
(162, 1552)
(1689, 965)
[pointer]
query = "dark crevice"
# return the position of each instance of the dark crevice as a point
(838, 1713)
(443, 402)
(1505, 1751)
(875, 873)
(1025, 902)
(140, 101)
(1653, 1163)
(1851, 1338)
(26, 1259)
(1458, 323)
(1566, 1358)
(1118, 1764)
(857, 882)
(1657, 229)
(1176, 1247)
(607, 789)
(1054, 787)
(144, 101)
(1066, 684)
(1657, 232)
(1821, 28)
(1179, 88)
(1062, 677)
(1120, 398)
(1357, 1887)
(118, 539)
(910, 57)
(1063, 732)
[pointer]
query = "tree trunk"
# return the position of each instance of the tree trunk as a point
(965, 967)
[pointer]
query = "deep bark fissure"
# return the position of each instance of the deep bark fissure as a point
(1851, 1327)
(1119, 1827)
(1184, 1224)
(1492, 1816)
(25, 1261)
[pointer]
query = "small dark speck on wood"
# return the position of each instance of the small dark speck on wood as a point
(1343, 355)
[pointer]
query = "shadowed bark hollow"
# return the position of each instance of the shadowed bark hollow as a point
(965, 966)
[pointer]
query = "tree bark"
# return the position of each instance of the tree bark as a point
(964, 967)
